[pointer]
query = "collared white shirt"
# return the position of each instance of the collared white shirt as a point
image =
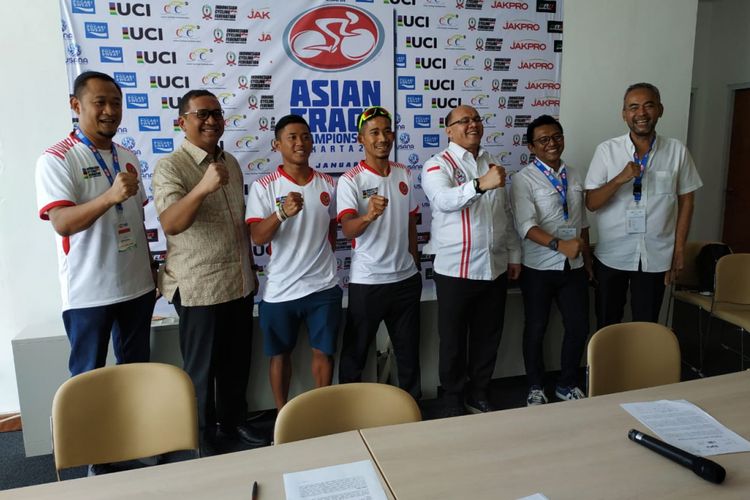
(381, 253)
(670, 172)
(472, 234)
(537, 203)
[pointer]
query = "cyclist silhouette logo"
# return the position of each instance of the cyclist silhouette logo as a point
(333, 38)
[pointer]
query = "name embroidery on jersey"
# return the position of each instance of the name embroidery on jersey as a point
(91, 172)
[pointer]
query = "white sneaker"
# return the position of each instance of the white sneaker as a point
(536, 396)
(569, 393)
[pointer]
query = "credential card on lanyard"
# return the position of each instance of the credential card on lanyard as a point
(636, 220)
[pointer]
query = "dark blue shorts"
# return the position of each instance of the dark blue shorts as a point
(280, 321)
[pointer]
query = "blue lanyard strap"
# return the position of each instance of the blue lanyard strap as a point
(560, 187)
(643, 163)
(102, 164)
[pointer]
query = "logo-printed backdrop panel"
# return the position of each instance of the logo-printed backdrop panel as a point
(326, 61)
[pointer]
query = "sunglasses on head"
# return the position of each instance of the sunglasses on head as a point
(372, 113)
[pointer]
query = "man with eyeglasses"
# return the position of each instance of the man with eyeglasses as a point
(641, 186)
(378, 211)
(208, 276)
(550, 217)
(476, 251)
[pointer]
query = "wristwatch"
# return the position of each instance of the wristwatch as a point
(477, 188)
(552, 245)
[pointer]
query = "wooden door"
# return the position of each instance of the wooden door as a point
(736, 232)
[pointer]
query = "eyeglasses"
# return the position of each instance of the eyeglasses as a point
(372, 113)
(465, 120)
(203, 114)
(558, 138)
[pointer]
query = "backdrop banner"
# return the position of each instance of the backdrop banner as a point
(327, 61)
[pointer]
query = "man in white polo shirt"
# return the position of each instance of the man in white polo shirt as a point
(476, 251)
(292, 209)
(550, 217)
(641, 186)
(89, 189)
(378, 211)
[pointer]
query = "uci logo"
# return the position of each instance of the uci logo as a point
(333, 38)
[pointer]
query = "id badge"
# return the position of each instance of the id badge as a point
(566, 232)
(636, 218)
(125, 238)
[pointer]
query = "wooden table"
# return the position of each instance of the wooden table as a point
(213, 478)
(575, 449)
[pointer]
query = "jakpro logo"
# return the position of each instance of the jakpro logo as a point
(136, 101)
(422, 121)
(407, 83)
(96, 30)
(430, 84)
(543, 85)
(153, 34)
(126, 80)
(83, 7)
(162, 146)
(129, 9)
(521, 25)
(430, 63)
(165, 82)
(413, 21)
(155, 57)
(111, 54)
(413, 101)
(509, 5)
(149, 124)
(536, 64)
(528, 45)
(333, 38)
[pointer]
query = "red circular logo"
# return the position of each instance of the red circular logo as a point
(403, 188)
(333, 38)
(325, 199)
(130, 168)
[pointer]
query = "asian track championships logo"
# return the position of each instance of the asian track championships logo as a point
(333, 38)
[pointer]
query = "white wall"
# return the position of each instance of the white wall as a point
(722, 63)
(35, 115)
(608, 44)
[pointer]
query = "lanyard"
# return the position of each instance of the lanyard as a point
(102, 164)
(642, 162)
(560, 187)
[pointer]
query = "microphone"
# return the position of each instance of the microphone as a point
(705, 468)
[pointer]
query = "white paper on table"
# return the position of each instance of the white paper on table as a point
(356, 480)
(684, 425)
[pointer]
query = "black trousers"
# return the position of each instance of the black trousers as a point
(470, 325)
(398, 305)
(216, 344)
(569, 290)
(646, 294)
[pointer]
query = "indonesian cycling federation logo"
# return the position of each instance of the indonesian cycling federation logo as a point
(333, 38)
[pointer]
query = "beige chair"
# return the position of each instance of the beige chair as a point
(685, 289)
(123, 412)
(629, 356)
(731, 301)
(344, 407)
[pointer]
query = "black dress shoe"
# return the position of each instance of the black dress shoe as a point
(245, 434)
(478, 405)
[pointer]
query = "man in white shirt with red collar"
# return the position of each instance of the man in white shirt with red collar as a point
(378, 211)
(550, 216)
(476, 251)
(641, 186)
(293, 210)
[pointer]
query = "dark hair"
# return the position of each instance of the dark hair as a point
(192, 94)
(539, 122)
(642, 85)
(288, 120)
(81, 80)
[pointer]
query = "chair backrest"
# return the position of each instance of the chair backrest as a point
(733, 279)
(689, 277)
(629, 356)
(344, 407)
(123, 412)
